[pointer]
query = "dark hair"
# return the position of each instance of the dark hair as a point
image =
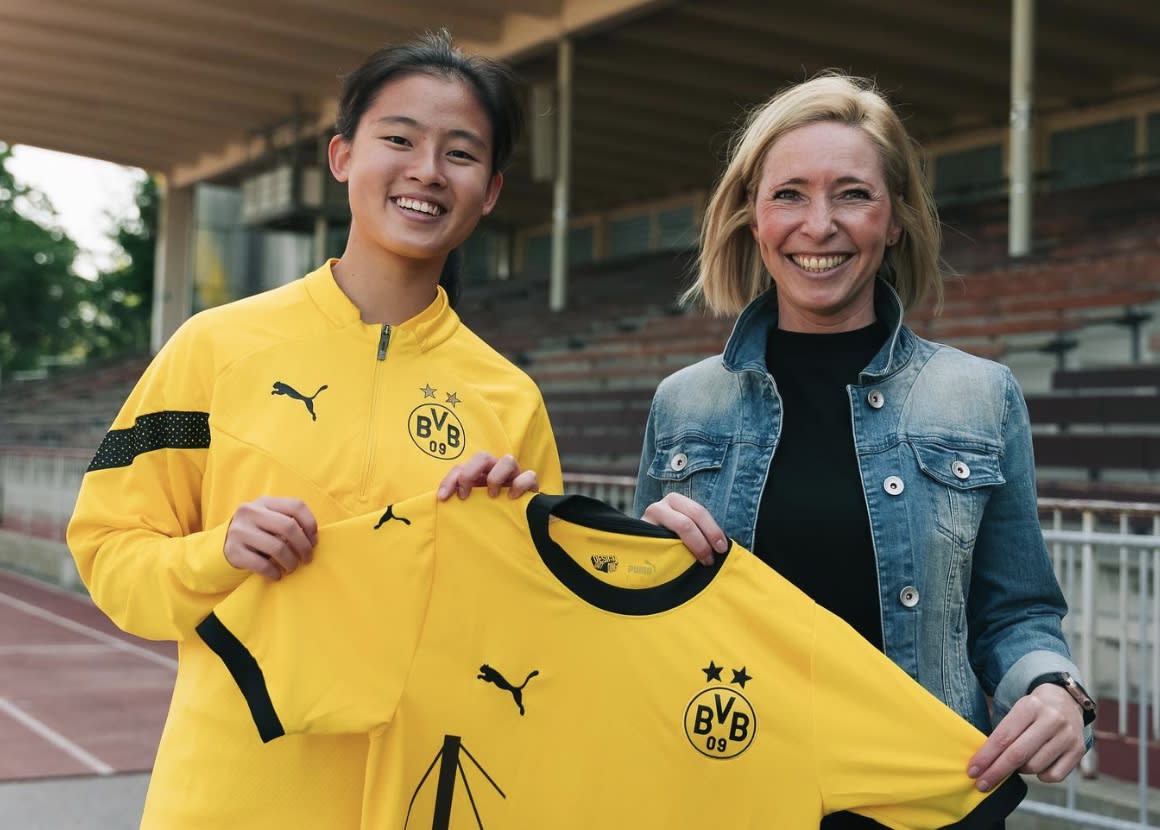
(451, 277)
(435, 54)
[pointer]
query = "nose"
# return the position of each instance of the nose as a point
(427, 167)
(818, 221)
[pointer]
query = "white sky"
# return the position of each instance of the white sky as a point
(86, 194)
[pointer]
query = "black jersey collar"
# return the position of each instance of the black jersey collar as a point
(597, 515)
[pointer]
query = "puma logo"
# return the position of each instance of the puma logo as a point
(289, 391)
(389, 515)
(489, 675)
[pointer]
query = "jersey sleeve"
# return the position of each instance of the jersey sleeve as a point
(887, 748)
(538, 452)
(327, 648)
(136, 533)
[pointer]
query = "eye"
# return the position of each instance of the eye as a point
(784, 195)
(462, 154)
(856, 193)
(397, 140)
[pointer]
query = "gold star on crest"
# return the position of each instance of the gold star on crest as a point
(452, 398)
(427, 391)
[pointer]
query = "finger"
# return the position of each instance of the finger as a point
(248, 560)
(274, 549)
(703, 518)
(501, 475)
(1063, 765)
(1018, 753)
(295, 509)
(288, 531)
(660, 513)
(525, 482)
(475, 472)
(983, 763)
(450, 483)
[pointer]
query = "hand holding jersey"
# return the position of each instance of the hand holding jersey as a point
(548, 661)
(272, 536)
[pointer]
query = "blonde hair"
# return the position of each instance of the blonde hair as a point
(730, 271)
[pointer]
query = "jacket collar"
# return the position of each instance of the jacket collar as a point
(430, 327)
(745, 349)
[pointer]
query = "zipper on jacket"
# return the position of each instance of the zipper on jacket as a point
(384, 339)
(380, 357)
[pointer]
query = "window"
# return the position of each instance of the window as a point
(1153, 143)
(479, 254)
(539, 259)
(581, 245)
(1093, 154)
(969, 175)
(677, 229)
(628, 236)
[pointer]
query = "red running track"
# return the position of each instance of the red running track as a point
(77, 695)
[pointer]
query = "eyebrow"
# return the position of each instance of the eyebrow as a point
(406, 120)
(839, 180)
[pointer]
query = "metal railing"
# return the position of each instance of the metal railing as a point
(1106, 556)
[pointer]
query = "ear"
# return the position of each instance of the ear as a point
(492, 195)
(338, 153)
(894, 234)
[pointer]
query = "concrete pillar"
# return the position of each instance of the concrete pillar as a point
(172, 294)
(1022, 100)
(562, 188)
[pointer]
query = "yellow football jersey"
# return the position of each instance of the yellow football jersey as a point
(287, 393)
(548, 662)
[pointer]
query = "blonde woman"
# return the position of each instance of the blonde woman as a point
(889, 477)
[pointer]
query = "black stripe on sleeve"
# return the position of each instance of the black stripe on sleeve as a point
(246, 673)
(155, 431)
(997, 806)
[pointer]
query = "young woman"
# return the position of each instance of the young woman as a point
(888, 477)
(262, 420)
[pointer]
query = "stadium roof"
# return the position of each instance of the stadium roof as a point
(197, 88)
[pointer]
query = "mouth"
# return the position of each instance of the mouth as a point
(819, 264)
(419, 206)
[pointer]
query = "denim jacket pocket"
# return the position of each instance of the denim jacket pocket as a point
(689, 465)
(960, 480)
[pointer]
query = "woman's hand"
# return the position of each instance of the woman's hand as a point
(484, 469)
(1042, 735)
(692, 522)
(271, 536)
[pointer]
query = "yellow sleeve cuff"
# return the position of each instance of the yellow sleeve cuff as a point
(206, 569)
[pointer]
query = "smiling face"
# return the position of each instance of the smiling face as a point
(822, 220)
(418, 173)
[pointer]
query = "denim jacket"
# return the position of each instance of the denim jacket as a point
(970, 605)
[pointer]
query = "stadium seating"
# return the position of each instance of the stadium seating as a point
(71, 408)
(1097, 433)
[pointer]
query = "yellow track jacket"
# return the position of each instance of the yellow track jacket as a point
(287, 393)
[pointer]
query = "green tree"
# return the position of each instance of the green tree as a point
(38, 289)
(117, 307)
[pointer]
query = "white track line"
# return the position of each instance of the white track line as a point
(56, 649)
(72, 625)
(55, 738)
(48, 587)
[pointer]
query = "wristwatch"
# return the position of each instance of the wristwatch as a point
(1072, 687)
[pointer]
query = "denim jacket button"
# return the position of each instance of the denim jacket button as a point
(876, 399)
(908, 596)
(960, 470)
(893, 485)
(678, 462)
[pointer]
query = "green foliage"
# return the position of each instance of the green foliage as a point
(116, 307)
(38, 290)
